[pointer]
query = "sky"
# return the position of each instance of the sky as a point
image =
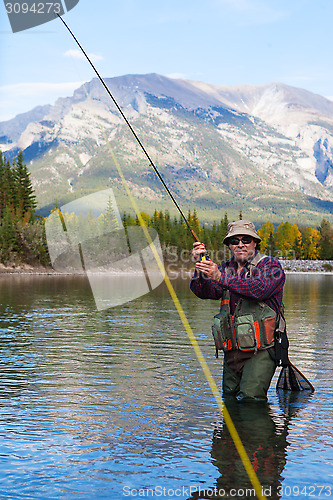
(221, 42)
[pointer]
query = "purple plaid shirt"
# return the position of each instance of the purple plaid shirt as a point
(265, 284)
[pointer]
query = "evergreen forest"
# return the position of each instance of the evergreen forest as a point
(23, 240)
(22, 234)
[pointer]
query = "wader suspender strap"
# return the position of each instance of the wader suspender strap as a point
(254, 262)
(229, 270)
(281, 329)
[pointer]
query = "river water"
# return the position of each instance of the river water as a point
(114, 404)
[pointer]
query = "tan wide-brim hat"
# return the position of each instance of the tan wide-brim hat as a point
(241, 227)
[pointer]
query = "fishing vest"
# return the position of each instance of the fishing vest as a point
(251, 327)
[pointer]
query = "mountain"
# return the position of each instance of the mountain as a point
(265, 150)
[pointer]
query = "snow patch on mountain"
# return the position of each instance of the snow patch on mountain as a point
(84, 158)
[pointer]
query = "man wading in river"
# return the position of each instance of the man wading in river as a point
(250, 286)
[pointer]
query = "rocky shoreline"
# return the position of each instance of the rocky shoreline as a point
(26, 269)
(307, 266)
(289, 266)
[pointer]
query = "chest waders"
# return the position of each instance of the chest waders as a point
(254, 326)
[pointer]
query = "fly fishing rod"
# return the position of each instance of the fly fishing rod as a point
(134, 133)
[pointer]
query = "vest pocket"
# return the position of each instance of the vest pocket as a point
(222, 333)
(245, 332)
(269, 329)
(219, 344)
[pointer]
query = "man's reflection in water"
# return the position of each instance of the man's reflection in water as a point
(265, 442)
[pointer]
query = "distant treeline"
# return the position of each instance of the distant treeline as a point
(287, 241)
(22, 232)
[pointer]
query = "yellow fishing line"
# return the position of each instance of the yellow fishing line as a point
(205, 368)
(212, 384)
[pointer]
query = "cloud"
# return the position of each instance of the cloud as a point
(77, 54)
(39, 88)
(22, 97)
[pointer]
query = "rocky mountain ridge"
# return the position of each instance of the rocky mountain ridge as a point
(265, 150)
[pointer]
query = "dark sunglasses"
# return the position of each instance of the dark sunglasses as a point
(244, 239)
